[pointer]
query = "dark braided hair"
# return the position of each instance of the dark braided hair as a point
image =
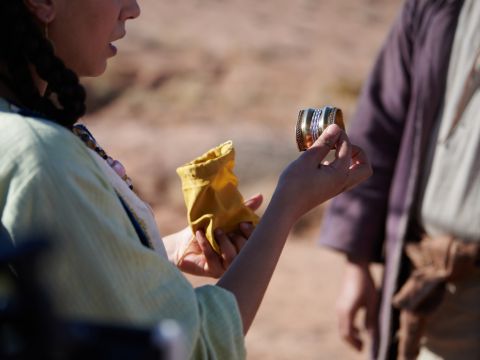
(22, 45)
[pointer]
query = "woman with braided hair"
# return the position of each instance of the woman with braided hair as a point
(23, 44)
(108, 261)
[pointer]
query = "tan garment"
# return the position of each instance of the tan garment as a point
(453, 331)
(439, 263)
(450, 190)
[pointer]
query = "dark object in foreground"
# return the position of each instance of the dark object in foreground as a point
(30, 330)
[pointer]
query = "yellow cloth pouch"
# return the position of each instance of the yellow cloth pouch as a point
(211, 194)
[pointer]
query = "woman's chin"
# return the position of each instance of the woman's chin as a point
(94, 72)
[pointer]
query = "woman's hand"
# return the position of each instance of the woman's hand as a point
(310, 180)
(304, 184)
(194, 254)
(200, 259)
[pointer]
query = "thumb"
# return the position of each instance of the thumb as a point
(254, 202)
(326, 141)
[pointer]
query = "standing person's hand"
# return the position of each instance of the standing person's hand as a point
(358, 292)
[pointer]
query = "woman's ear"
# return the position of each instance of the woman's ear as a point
(43, 10)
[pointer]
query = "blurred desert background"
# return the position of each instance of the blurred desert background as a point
(192, 74)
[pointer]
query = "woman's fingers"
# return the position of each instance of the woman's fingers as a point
(238, 241)
(227, 249)
(359, 157)
(343, 152)
(239, 238)
(246, 228)
(326, 142)
(213, 261)
(348, 157)
(254, 202)
(338, 140)
(333, 137)
(360, 168)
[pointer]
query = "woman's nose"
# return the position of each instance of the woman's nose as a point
(131, 10)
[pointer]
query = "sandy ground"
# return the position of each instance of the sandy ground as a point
(297, 318)
(194, 73)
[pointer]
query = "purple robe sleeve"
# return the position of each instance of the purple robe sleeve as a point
(354, 222)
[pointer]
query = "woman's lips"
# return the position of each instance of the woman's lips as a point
(113, 49)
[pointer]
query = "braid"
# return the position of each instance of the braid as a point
(22, 44)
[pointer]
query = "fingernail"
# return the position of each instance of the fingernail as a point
(246, 225)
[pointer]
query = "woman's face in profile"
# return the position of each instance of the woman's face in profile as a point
(83, 31)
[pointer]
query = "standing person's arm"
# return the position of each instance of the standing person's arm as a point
(355, 221)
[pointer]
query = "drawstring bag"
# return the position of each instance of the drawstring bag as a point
(211, 195)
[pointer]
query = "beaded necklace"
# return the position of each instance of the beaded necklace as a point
(86, 136)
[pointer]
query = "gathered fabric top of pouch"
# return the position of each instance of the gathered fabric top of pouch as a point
(218, 162)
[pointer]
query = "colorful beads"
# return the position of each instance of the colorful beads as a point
(84, 134)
